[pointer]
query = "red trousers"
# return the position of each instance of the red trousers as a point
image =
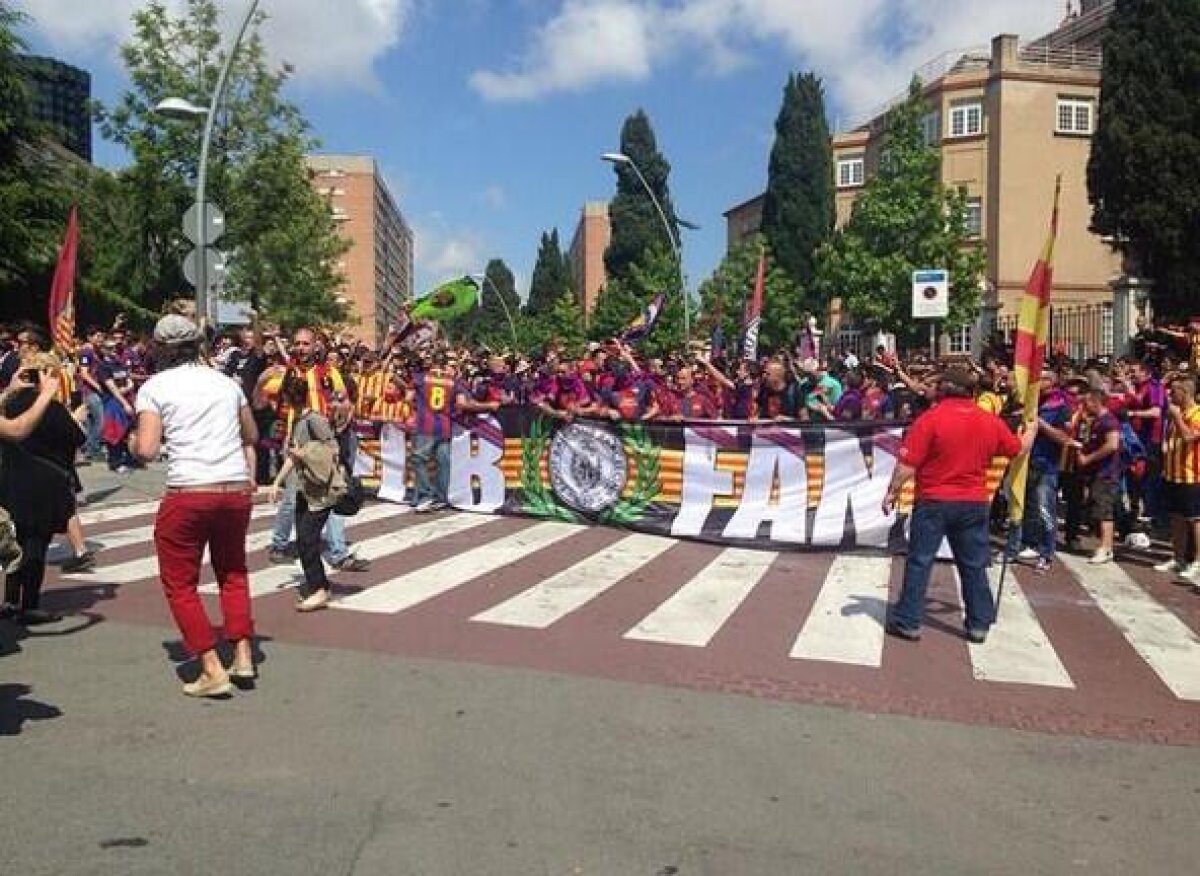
(187, 522)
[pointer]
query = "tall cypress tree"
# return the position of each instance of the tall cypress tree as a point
(551, 276)
(637, 227)
(1142, 177)
(798, 211)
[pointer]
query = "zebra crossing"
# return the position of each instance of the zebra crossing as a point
(843, 626)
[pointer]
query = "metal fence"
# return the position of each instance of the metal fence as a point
(1080, 332)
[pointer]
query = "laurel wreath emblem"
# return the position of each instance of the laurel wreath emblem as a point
(539, 499)
(645, 453)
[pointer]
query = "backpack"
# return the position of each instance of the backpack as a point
(339, 490)
(1133, 451)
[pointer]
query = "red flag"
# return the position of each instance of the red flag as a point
(1029, 351)
(754, 306)
(62, 290)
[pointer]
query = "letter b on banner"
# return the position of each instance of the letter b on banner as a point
(475, 465)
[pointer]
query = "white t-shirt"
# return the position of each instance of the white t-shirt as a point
(201, 431)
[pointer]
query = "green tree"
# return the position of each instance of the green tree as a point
(551, 276)
(723, 297)
(636, 225)
(1142, 175)
(798, 209)
(283, 249)
(622, 300)
(33, 193)
(488, 323)
(562, 324)
(904, 220)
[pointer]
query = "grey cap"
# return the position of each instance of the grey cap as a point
(175, 329)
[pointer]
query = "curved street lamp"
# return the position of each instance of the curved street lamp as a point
(620, 158)
(178, 108)
(485, 279)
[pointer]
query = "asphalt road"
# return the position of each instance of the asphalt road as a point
(343, 762)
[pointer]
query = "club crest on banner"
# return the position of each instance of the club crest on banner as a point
(588, 467)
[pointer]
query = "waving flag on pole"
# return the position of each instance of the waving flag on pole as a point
(753, 317)
(62, 289)
(1029, 354)
(644, 322)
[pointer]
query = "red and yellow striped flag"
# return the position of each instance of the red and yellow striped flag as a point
(1029, 353)
(62, 289)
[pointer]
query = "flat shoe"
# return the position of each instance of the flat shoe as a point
(243, 673)
(313, 602)
(209, 687)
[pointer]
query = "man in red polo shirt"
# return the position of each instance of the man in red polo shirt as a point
(949, 450)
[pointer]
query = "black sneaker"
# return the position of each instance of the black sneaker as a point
(908, 634)
(84, 562)
(351, 563)
(976, 637)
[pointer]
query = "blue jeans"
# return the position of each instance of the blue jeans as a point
(95, 409)
(1039, 527)
(424, 449)
(285, 520)
(965, 525)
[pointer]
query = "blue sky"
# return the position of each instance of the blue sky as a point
(488, 117)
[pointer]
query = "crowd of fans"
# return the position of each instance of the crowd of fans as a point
(1118, 447)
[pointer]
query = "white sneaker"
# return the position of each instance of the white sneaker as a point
(1171, 567)
(1100, 557)
(1028, 555)
(424, 506)
(1189, 574)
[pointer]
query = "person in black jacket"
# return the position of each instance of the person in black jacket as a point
(36, 486)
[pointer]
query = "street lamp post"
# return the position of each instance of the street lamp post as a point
(622, 158)
(485, 279)
(177, 107)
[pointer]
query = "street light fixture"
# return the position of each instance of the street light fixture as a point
(484, 279)
(620, 158)
(179, 108)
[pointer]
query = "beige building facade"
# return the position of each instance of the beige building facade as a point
(586, 255)
(378, 267)
(1006, 120)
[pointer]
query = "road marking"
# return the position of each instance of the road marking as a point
(109, 513)
(571, 589)
(698, 610)
(413, 588)
(284, 577)
(1017, 649)
(1170, 648)
(111, 541)
(846, 622)
(147, 567)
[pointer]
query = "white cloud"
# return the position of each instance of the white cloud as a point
(495, 196)
(442, 253)
(326, 42)
(864, 49)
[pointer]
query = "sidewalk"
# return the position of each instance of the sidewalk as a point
(104, 487)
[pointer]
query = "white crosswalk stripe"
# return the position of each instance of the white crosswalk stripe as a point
(701, 607)
(122, 538)
(1162, 639)
(847, 619)
(1017, 649)
(559, 595)
(109, 513)
(147, 567)
(279, 578)
(423, 584)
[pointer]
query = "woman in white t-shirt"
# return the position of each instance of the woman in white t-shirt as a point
(202, 418)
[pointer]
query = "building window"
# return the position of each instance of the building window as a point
(966, 119)
(850, 172)
(1075, 116)
(973, 217)
(960, 340)
(931, 127)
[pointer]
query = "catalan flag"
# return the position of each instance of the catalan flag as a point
(1029, 353)
(754, 308)
(643, 323)
(62, 289)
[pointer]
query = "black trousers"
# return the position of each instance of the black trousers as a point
(309, 524)
(23, 588)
